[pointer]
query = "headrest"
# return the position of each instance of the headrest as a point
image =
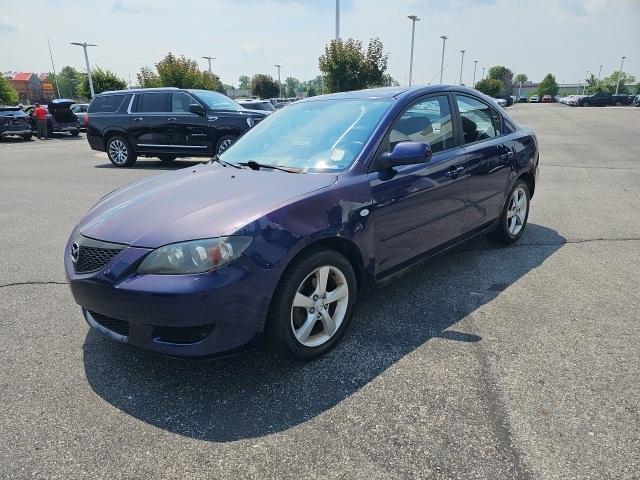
(468, 126)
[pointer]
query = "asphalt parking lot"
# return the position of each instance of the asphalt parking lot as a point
(488, 362)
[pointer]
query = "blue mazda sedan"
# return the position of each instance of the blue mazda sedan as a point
(279, 234)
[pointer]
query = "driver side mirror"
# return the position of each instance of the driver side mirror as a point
(197, 109)
(407, 153)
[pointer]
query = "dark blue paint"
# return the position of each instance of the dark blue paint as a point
(415, 210)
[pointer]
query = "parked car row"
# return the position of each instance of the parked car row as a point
(600, 99)
(14, 123)
(60, 118)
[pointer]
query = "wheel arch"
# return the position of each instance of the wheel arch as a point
(108, 134)
(530, 180)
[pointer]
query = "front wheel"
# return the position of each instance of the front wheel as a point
(311, 308)
(514, 215)
(224, 143)
(27, 136)
(120, 152)
(74, 133)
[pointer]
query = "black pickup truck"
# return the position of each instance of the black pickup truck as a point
(602, 99)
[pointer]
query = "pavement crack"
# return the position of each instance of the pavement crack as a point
(17, 284)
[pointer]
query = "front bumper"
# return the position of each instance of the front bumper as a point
(10, 133)
(179, 315)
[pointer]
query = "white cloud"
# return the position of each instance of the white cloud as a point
(8, 24)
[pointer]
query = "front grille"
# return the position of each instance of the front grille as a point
(182, 335)
(119, 326)
(91, 259)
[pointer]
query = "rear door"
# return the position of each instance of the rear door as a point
(150, 124)
(189, 131)
(489, 151)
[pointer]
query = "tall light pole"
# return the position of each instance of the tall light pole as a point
(483, 72)
(444, 41)
(413, 19)
(209, 60)
(279, 84)
(584, 88)
(599, 72)
(337, 19)
(461, 64)
(618, 82)
(475, 65)
(84, 45)
(55, 77)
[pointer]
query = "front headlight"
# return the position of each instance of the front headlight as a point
(196, 256)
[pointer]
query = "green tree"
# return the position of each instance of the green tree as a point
(499, 72)
(245, 82)
(548, 86)
(521, 77)
(311, 91)
(638, 88)
(68, 81)
(621, 78)
(490, 86)
(103, 81)
(180, 72)
(291, 87)
(264, 86)
(8, 94)
(346, 66)
(595, 86)
(147, 78)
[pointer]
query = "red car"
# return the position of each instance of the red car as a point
(547, 99)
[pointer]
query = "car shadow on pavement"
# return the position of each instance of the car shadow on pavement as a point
(152, 164)
(258, 392)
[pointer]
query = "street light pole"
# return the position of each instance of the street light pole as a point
(584, 88)
(337, 19)
(84, 45)
(618, 82)
(413, 19)
(599, 72)
(461, 64)
(279, 84)
(475, 65)
(444, 41)
(483, 72)
(209, 60)
(55, 77)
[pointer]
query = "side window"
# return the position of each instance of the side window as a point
(153, 103)
(180, 102)
(106, 103)
(426, 121)
(477, 120)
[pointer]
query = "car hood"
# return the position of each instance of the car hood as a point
(198, 202)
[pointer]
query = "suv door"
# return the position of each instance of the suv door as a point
(188, 131)
(419, 207)
(489, 158)
(150, 124)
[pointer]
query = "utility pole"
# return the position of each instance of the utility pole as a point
(84, 45)
(599, 72)
(279, 84)
(413, 19)
(55, 77)
(444, 41)
(584, 88)
(618, 82)
(209, 60)
(461, 64)
(475, 65)
(337, 19)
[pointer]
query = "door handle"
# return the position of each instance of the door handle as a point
(454, 172)
(172, 119)
(507, 155)
(137, 119)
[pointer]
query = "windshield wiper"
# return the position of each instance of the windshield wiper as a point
(224, 163)
(253, 165)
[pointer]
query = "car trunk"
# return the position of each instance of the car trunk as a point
(61, 111)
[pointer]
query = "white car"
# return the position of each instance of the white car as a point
(534, 99)
(573, 99)
(501, 101)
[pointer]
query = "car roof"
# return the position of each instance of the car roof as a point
(140, 90)
(395, 92)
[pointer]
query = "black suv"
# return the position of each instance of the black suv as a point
(166, 123)
(14, 123)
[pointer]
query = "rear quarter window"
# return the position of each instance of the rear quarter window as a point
(107, 103)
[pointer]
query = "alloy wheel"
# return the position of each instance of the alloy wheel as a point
(118, 151)
(517, 212)
(319, 306)
(224, 145)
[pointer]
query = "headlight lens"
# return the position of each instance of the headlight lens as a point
(196, 256)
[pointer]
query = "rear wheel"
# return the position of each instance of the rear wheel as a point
(120, 152)
(514, 216)
(74, 133)
(311, 308)
(167, 158)
(224, 143)
(27, 136)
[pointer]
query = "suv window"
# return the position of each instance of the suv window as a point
(106, 103)
(153, 103)
(477, 121)
(180, 102)
(425, 121)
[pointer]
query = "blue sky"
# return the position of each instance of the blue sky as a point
(564, 37)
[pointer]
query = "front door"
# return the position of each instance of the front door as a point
(419, 207)
(149, 123)
(189, 131)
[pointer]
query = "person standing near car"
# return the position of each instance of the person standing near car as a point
(41, 119)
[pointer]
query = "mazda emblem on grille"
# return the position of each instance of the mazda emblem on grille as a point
(75, 252)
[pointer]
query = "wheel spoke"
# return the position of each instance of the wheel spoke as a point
(303, 301)
(323, 277)
(335, 295)
(328, 323)
(522, 200)
(302, 334)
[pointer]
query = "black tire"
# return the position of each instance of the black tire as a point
(586, 103)
(280, 322)
(223, 143)
(167, 158)
(74, 133)
(120, 152)
(27, 137)
(502, 233)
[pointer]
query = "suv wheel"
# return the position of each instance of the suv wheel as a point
(224, 143)
(27, 136)
(312, 305)
(120, 152)
(74, 133)
(515, 213)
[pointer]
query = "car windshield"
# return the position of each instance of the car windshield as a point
(216, 101)
(322, 135)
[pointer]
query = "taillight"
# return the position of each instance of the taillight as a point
(86, 120)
